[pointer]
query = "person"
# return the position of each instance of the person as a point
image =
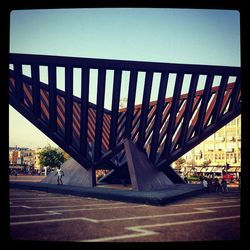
(205, 184)
(217, 185)
(239, 182)
(185, 179)
(224, 186)
(210, 184)
(59, 174)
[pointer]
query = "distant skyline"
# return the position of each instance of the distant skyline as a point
(208, 37)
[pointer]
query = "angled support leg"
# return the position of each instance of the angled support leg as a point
(74, 174)
(144, 176)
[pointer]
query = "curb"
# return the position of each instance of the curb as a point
(156, 198)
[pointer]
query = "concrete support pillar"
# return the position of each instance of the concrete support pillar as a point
(144, 176)
(74, 174)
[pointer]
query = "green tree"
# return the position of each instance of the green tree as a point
(51, 157)
(179, 163)
(206, 163)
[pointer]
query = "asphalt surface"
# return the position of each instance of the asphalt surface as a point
(42, 216)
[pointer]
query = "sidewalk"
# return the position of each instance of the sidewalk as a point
(26, 178)
(159, 197)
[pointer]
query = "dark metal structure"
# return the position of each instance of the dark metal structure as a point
(204, 99)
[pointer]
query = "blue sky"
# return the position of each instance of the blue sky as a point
(210, 37)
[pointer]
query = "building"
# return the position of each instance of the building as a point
(220, 149)
(13, 155)
(37, 165)
(28, 158)
(16, 155)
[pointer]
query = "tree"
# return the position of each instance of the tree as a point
(51, 157)
(66, 156)
(206, 163)
(179, 163)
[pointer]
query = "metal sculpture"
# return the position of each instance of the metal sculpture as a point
(152, 134)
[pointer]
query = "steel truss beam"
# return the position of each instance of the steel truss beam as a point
(162, 130)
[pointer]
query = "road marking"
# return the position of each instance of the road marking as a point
(33, 215)
(15, 206)
(200, 211)
(104, 220)
(47, 200)
(79, 209)
(52, 220)
(84, 205)
(35, 198)
(200, 203)
(144, 232)
(99, 208)
(29, 195)
(229, 199)
(156, 216)
(220, 207)
(141, 233)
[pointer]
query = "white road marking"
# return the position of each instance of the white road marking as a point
(33, 215)
(52, 220)
(220, 207)
(103, 220)
(29, 195)
(14, 206)
(47, 200)
(200, 211)
(40, 199)
(199, 203)
(156, 216)
(144, 232)
(229, 199)
(99, 208)
(79, 209)
(84, 205)
(141, 233)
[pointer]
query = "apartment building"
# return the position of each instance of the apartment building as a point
(221, 148)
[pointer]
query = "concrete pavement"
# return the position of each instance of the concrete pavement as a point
(41, 216)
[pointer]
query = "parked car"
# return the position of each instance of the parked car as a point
(229, 177)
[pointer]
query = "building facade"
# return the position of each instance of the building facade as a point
(220, 149)
(37, 165)
(25, 158)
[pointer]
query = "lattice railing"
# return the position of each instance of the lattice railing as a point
(204, 98)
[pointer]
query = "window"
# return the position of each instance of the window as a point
(233, 122)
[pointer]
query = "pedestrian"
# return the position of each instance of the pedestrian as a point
(185, 179)
(210, 184)
(217, 185)
(224, 186)
(205, 184)
(59, 174)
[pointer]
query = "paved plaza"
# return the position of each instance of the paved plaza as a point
(41, 216)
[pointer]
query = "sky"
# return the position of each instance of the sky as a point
(189, 36)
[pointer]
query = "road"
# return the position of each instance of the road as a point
(41, 216)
